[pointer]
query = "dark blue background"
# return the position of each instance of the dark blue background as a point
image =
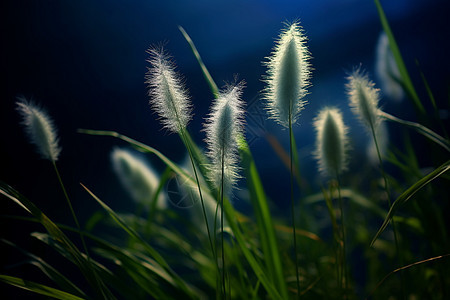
(84, 61)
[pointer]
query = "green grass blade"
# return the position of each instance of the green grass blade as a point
(80, 260)
(257, 194)
(264, 220)
(208, 77)
(141, 147)
(38, 288)
(259, 272)
(63, 282)
(425, 131)
(406, 195)
(406, 80)
(158, 258)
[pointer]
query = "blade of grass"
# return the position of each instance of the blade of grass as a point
(63, 282)
(407, 267)
(426, 132)
(38, 288)
(406, 195)
(228, 208)
(114, 280)
(264, 220)
(212, 84)
(158, 258)
(80, 260)
(406, 80)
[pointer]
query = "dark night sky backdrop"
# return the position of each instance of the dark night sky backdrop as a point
(84, 61)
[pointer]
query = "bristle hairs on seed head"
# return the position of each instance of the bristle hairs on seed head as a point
(40, 129)
(168, 96)
(364, 98)
(223, 127)
(332, 142)
(288, 75)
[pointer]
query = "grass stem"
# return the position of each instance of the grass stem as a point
(293, 206)
(386, 186)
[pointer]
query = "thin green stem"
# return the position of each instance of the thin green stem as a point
(221, 225)
(293, 206)
(70, 205)
(386, 186)
(191, 157)
(66, 196)
(344, 258)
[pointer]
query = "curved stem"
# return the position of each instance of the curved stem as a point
(292, 206)
(344, 259)
(221, 226)
(425, 131)
(386, 186)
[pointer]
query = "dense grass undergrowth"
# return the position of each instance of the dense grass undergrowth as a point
(386, 231)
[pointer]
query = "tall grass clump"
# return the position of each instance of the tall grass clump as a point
(41, 132)
(287, 81)
(170, 100)
(224, 127)
(214, 229)
(332, 146)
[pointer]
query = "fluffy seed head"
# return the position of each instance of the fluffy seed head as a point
(223, 127)
(332, 141)
(40, 129)
(287, 76)
(137, 176)
(168, 95)
(387, 70)
(364, 98)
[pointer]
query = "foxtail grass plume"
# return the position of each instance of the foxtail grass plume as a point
(387, 70)
(168, 95)
(332, 142)
(287, 76)
(364, 98)
(40, 129)
(137, 176)
(223, 127)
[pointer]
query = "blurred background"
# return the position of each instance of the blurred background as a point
(85, 62)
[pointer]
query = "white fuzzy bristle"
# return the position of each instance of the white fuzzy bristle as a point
(332, 142)
(223, 127)
(39, 128)
(287, 76)
(168, 95)
(364, 98)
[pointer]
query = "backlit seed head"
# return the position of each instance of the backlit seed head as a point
(287, 76)
(223, 128)
(364, 98)
(168, 95)
(40, 129)
(332, 142)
